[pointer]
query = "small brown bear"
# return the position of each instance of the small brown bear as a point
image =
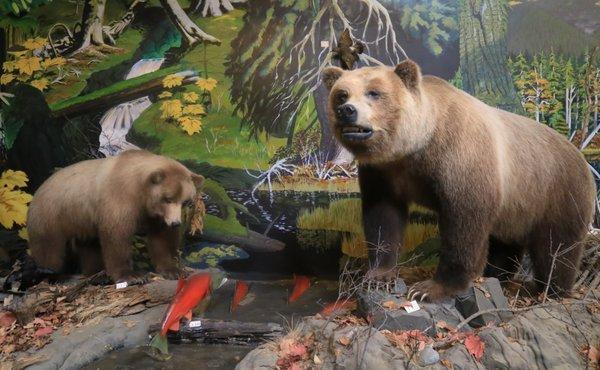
(108, 201)
(501, 183)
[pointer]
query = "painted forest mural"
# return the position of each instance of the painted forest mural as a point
(232, 89)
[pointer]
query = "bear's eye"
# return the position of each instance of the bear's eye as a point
(187, 203)
(168, 200)
(373, 94)
(341, 97)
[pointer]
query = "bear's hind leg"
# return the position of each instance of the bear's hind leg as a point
(555, 255)
(48, 251)
(503, 259)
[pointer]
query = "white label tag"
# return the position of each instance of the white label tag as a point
(414, 306)
(121, 285)
(195, 324)
(324, 43)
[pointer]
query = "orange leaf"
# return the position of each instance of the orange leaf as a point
(475, 346)
(301, 284)
(241, 289)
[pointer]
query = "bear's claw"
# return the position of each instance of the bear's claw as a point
(428, 290)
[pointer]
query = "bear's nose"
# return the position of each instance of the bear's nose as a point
(346, 113)
(174, 223)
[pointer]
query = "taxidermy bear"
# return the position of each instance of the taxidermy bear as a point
(106, 202)
(501, 183)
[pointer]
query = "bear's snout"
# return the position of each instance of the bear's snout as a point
(346, 113)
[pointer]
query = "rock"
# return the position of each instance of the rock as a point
(95, 340)
(483, 296)
(387, 311)
(428, 356)
(260, 358)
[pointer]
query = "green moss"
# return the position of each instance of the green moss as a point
(221, 226)
(211, 256)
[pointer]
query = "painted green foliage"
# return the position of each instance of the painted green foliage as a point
(551, 88)
(433, 21)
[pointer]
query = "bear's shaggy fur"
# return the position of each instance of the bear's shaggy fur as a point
(108, 201)
(501, 183)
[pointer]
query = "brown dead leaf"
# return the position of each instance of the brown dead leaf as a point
(444, 325)
(593, 354)
(447, 364)
(344, 341)
(198, 211)
(7, 318)
(390, 305)
(317, 360)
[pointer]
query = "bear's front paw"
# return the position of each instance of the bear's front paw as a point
(382, 273)
(171, 273)
(428, 290)
(131, 278)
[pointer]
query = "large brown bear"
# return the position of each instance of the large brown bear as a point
(108, 201)
(501, 183)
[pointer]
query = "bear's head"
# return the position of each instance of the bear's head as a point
(377, 113)
(170, 187)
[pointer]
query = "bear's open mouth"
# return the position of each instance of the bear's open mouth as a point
(356, 132)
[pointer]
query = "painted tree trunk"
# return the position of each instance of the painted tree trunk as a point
(329, 148)
(93, 16)
(483, 52)
(190, 32)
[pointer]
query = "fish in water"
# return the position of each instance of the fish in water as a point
(338, 307)
(301, 284)
(189, 294)
(241, 290)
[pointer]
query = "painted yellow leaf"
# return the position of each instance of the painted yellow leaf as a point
(59, 61)
(13, 207)
(19, 53)
(190, 125)
(206, 83)
(190, 97)
(6, 78)
(194, 109)
(164, 95)
(171, 108)
(13, 179)
(9, 66)
(35, 43)
(23, 233)
(29, 65)
(172, 81)
(40, 84)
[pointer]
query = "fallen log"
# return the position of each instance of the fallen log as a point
(211, 331)
(119, 92)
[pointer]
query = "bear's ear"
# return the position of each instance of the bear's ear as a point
(198, 180)
(157, 177)
(409, 72)
(330, 75)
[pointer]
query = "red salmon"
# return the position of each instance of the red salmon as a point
(301, 284)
